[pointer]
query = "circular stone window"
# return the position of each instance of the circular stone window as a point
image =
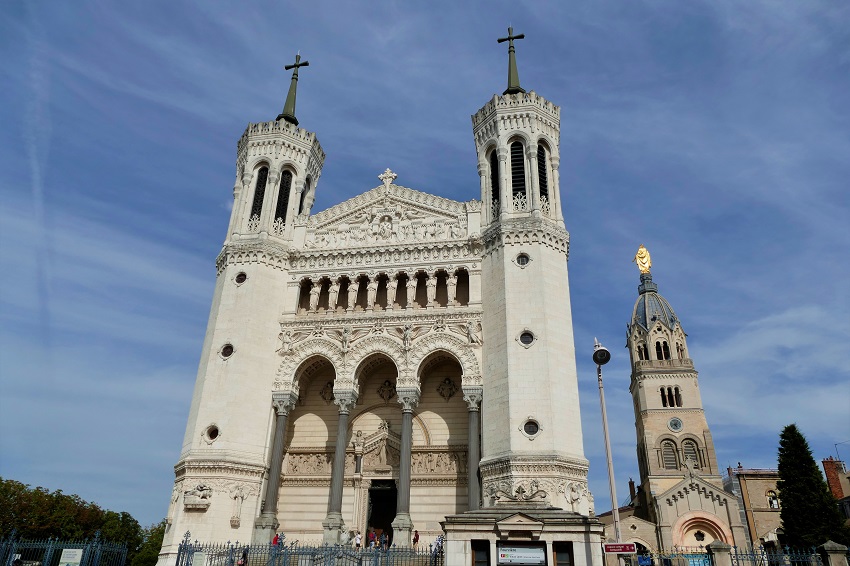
(212, 432)
(241, 277)
(522, 260)
(227, 350)
(526, 338)
(531, 428)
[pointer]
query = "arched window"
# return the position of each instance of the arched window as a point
(671, 401)
(666, 349)
(658, 353)
(680, 351)
(668, 455)
(645, 351)
(772, 499)
(678, 397)
(517, 169)
(640, 352)
(494, 179)
(304, 194)
(663, 397)
(282, 203)
(259, 194)
(542, 174)
(689, 448)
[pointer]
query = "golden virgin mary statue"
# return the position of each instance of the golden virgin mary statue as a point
(642, 259)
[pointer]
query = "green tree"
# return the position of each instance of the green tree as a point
(148, 552)
(809, 512)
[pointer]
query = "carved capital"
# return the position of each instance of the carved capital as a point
(283, 402)
(473, 397)
(246, 179)
(345, 400)
(503, 153)
(408, 398)
(555, 162)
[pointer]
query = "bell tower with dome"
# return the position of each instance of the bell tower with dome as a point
(681, 489)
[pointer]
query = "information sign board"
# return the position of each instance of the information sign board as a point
(526, 555)
(619, 548)
(71, 557)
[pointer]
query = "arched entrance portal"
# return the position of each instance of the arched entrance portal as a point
(382, 506)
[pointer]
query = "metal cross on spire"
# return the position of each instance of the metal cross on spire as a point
(513, 76)
(288, 113)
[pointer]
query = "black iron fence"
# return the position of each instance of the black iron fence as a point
(55, 552)
(780, 557)
(295, 554)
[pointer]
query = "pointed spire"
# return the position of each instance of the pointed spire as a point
(513, 75)
(288, 113)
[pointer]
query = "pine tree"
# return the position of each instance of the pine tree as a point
(809, 512)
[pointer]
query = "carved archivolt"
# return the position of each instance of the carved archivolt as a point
(450, 343)
(286, 377)
(376, 343)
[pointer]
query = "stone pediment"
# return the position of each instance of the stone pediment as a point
(694, 484)
(387, 215)
(519, 525)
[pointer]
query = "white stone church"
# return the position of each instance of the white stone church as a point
(394, 362)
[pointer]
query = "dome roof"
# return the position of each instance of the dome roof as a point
(652, 307)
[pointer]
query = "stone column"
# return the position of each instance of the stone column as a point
(402, 525)
(833, 554)
(534, 177)
(240, 220)
(486, 199)
(333, 523)
(266, 524)
(504, 188)
(720, 553)
(555, 189)
(473, 396)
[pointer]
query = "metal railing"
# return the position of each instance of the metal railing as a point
(780, 557)
(48, 552)
(295, 554)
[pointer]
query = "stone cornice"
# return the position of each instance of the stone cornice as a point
(257, 251)
(388, 318)
(391, 257)
(193, 467)
(526, 230)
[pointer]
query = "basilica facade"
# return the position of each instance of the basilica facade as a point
(394, 362)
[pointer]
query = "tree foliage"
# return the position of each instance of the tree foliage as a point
(148, 553)
(37, 513)
(809, 512)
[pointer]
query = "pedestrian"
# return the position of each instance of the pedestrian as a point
(436, 550)
(243, 560)
(276, 539)
(372, 538)
(384, 540)
(415, 539)
(358, 538)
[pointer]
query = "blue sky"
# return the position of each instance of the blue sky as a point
(715, 133)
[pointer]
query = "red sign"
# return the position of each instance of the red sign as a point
(620, 548)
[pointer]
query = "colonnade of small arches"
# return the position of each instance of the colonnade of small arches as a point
(520, 178)
(661, 350)
(671, 397)
(673, 457)
(385, 291)
(273, 203)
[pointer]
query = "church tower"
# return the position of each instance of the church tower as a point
(673, 437)
(532, 438)
(225, 457)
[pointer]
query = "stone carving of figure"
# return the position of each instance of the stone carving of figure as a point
(392, 287)
(642, 259)
(431, 289)
(574, 495)
(358, 439)
(382, 452)
(455, 231)
(385, 228)
(333, 293)
(407, 337)
(472, 333)
(353, 287)
(406, 232)
(451, 288)
(201, 491)
(371, 292)
(285, 343)
(346, 338)
(411, 292)
(238, 494)
(314, 296)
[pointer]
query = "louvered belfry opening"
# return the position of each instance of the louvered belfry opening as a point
(494, 176)
(283, 196)
(517, 169)
(259, 192)
(304, 195)
(542, 174)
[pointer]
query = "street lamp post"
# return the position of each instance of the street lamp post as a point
(602, 356)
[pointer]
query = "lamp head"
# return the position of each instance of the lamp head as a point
(601, 355)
